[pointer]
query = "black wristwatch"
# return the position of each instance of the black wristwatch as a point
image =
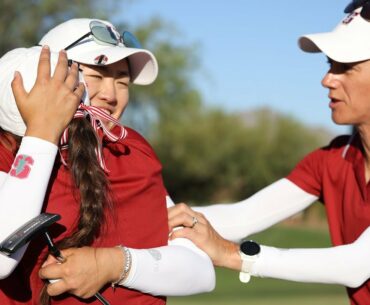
(249, 251)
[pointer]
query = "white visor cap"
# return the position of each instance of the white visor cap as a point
(348, 42)
(143, 64)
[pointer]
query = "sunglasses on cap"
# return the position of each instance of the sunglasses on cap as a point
(365, 12)
(106, 35)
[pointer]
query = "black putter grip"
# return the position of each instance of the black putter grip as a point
(26, 232)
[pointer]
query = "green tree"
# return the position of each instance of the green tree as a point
(277, 144)
(211, 156)
(24, 22)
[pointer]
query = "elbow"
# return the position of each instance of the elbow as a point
(203, 280)
(209, 283)
(356, 281)
(207, 278)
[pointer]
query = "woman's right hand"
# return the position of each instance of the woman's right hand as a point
(49, 107)
(85, 271)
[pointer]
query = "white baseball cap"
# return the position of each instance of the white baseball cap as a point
(97, 42)
(24, 61)
(348, 42)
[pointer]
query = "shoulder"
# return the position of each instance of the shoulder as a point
(332, 152)
(135, 135)
(136, 140)
(309, 173)
(339, 142)
(336, 146)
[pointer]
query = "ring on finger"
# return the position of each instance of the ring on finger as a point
(195, 221)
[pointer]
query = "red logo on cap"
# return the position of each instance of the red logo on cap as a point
(350, 17)
(101, 60)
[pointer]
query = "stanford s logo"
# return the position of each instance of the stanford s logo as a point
(21, 167)
(101, 60)
(350, 17)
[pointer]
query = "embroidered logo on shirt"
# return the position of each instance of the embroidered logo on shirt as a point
(21, 167)
(155, 254)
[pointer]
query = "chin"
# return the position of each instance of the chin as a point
(340, 119)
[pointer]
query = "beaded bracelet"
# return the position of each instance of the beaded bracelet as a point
(126, 267)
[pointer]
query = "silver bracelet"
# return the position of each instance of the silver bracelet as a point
(126, 267)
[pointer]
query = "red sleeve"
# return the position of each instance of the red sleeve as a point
(308, 172)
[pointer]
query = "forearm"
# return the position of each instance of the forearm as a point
(269, 206)
(21, 198)
(177, 269)
(348, 265)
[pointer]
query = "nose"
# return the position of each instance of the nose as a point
(108, 91)
(329, 81)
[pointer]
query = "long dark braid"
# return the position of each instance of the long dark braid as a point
(93, 186)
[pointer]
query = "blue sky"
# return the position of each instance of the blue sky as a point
(249, 52)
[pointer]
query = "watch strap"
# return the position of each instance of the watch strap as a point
(246, 269)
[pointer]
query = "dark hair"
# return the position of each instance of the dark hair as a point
(93, 186)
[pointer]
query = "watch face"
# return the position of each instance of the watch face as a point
(250, 247)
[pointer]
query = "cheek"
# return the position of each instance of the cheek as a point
(122, 102)
(91, 89)
(360, 96)
(123, 98)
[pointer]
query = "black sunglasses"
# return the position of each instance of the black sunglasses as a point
(365, 12)
(105, 35)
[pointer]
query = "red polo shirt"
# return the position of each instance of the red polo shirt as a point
(336, 174)
(138, 220)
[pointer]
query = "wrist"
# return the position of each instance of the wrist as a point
(124, 267)
(44, 134)
(109, 261)
(231, 257)
(249, 253)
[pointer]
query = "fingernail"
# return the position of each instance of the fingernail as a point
(16, 74)
(45, 47)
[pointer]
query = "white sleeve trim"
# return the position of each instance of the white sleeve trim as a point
(347, 265)
(22, 199)
(267, 207)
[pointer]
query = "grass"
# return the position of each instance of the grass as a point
(270, 291)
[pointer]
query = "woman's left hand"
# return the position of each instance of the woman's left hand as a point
(85, 271)
(186, 223)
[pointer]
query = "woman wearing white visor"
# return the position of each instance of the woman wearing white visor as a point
(338, 175)
(106, 184)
